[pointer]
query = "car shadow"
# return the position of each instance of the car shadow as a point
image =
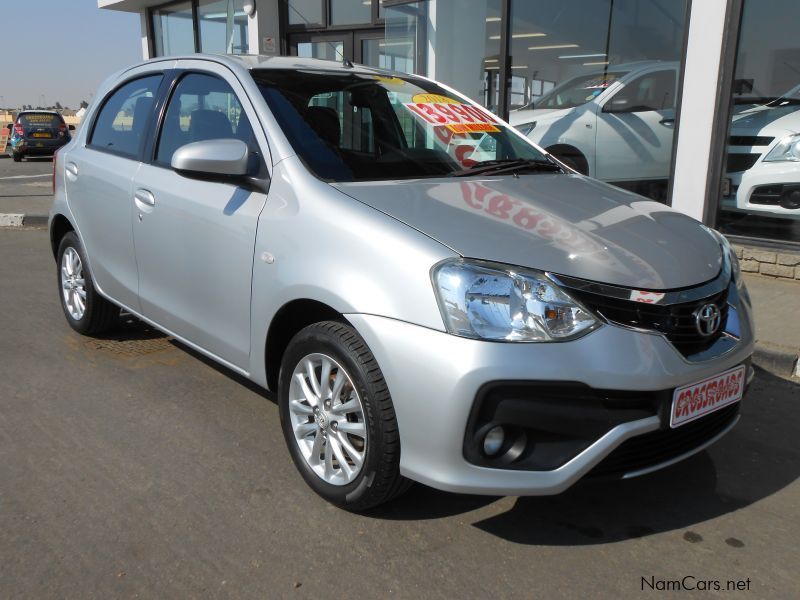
(755, 460)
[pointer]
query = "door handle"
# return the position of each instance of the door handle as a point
(145, 197)
(72, 169)
(667, 121)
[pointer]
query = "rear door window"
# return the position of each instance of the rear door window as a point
(122, 122)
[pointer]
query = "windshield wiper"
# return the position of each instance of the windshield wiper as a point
(509, 165)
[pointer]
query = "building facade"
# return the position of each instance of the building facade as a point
(693, 103)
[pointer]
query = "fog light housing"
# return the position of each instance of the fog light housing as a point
(493, 440)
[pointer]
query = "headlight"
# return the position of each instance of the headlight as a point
(526, 128)
(503, 303)
(736, 268)
(788, 149)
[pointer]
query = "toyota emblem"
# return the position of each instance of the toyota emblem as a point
(706, 319)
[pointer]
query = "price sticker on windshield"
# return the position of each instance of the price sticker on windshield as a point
(446, 112)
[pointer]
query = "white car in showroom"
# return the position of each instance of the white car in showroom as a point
(764, 159)
(627, 110)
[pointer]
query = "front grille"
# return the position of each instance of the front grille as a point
(675, 321)
(660, 446)
(741, 162)
(751, 140)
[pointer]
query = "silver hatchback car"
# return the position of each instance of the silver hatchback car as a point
(430, 296)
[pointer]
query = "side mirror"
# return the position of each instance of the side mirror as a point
(617, 105)
(72, 127)
(214, 158)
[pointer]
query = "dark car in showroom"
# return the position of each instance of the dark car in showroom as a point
(38, 133)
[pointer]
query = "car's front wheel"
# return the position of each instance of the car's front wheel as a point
(338, 419)
(87, 312)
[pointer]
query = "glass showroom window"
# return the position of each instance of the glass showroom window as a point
(223, 26)
(403, 48)
(466, 43)
(173, 29)
(761, 189)
(306, 12)
(595, 82)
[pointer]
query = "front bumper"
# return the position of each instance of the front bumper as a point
(434, 379)
(750, 184)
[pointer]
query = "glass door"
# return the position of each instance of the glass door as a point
(371, 50)
(364, 47)
(326, 46)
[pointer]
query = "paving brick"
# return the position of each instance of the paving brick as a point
(738, 251)
(762, 256)
(777, 270)
(750, 266)
(791, 260)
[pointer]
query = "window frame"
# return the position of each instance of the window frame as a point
(138, 155)
(326, 25)
(720, 135)
(175, 76)
(151, 29)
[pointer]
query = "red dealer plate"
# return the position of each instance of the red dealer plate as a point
(693, 401)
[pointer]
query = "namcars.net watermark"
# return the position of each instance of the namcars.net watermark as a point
(691, 583)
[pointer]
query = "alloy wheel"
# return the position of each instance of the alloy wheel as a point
(327, 418)
(73, 284)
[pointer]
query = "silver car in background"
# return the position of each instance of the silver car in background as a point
(480, 320)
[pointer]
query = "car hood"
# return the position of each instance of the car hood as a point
(526, 116)
(565, 224)
(767, 121)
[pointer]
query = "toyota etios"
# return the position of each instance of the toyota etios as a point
(483, 321)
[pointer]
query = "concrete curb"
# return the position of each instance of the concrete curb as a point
(20, 220)
(777, 359)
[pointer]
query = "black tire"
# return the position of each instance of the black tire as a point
(99, 314)
(16, 156)
(379, 479)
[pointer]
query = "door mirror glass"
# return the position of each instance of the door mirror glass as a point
(225, 158)
(617, 105)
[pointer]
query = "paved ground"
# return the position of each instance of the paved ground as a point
(774, 299)
(132, 467)
(26, 187)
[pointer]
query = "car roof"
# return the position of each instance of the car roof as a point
(259, 61)
(40, 111)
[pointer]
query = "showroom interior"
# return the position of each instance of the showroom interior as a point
(692, 103)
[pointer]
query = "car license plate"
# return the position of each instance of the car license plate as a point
(726, 186)
(41, 135)
(693, 401)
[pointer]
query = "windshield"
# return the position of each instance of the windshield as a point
(360, 127)
(577, 91)
(39, 120)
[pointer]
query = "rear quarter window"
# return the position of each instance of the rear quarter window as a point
(122, 122)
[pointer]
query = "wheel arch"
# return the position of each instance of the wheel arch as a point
(59, 227)
(287, 322)
(570, 151)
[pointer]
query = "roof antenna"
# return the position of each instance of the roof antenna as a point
(347, 64)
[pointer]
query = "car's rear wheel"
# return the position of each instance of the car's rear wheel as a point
(338, 419)
(16, 156)
(86, 311)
